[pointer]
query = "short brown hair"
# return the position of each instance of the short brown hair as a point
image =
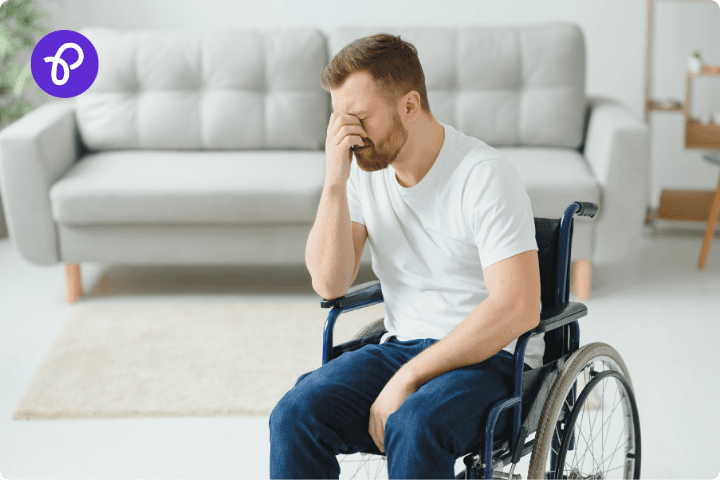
(392, 62)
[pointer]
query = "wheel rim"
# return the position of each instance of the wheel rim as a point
(604, 415)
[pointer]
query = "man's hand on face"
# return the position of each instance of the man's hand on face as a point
(344, 132)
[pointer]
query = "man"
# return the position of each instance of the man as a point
(452, 236)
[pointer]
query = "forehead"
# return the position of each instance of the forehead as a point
(356, 95)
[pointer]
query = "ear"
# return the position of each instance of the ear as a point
(411, 106)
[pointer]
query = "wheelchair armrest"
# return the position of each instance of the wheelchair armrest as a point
(356, 294)
(560, 315)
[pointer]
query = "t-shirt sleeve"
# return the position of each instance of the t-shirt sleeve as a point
(498, 211)
(356, 213)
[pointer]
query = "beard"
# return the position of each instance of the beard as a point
(371, 159)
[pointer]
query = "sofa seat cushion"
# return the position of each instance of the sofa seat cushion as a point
(554, 178)
(191, 187)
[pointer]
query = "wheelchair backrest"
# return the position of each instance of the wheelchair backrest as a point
(547, 234)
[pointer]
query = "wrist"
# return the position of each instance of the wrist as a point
(406, 376)
(334, 185)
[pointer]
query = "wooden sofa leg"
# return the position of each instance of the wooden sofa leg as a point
(73, 282)
(582, 271)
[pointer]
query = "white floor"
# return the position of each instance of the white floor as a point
(666, 328)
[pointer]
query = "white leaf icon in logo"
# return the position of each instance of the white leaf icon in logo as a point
(66, 70)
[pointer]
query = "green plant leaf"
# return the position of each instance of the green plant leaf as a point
(23, 79)
(20, 29)
(8, 44)
(4, 81)
(17, 109)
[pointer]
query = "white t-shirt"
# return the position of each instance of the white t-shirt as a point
(430, 242)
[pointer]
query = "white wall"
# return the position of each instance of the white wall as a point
(614, 33)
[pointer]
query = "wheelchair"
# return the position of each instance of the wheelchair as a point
(570, 403)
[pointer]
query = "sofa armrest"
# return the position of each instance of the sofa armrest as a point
(34, 152)
(356, 294)
(617, 149)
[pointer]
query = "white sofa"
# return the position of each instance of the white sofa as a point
(207, 147)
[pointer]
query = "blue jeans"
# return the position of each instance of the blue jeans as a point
(327, 413)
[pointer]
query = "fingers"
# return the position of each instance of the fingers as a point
(377, 432)
(381, 435)
(344, 119)
(352, 141)
(349, 124)
(371, 430)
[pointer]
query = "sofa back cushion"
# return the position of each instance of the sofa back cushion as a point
(192, 89)
(507, 85)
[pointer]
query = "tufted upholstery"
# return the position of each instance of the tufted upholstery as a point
(509, 86)
(195, 140)
(191, 90)
(520, 85)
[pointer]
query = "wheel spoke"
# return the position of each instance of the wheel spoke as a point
(556, 432)
(605, 422)
(360, 464)
(582, 460)
(592, 444)
(604, 463)
(602, 427)
(620, 436)
(379, 467)
(580, 420)
(621, 466)
(616, 449)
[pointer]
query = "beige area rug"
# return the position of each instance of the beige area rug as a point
(139, 360)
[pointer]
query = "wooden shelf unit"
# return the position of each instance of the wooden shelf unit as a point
(700, 135)
(693, 205)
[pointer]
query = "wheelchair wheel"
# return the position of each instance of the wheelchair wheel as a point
(363, 465)
(596, 436)
(368, 465)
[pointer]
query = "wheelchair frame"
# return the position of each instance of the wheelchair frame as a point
(554, 251)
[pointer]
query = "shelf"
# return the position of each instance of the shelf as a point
(676, 106)
(665, 106)
(699, 135)
(688, 205)
(707, 70)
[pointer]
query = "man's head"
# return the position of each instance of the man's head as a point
(379, 79)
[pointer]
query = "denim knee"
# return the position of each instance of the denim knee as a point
(417, 427)
(291, 412)
(302, 445)
(287, 400)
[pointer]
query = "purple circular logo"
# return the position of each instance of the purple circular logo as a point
(64, 63)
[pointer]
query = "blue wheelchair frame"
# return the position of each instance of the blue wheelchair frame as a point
(556, 312)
